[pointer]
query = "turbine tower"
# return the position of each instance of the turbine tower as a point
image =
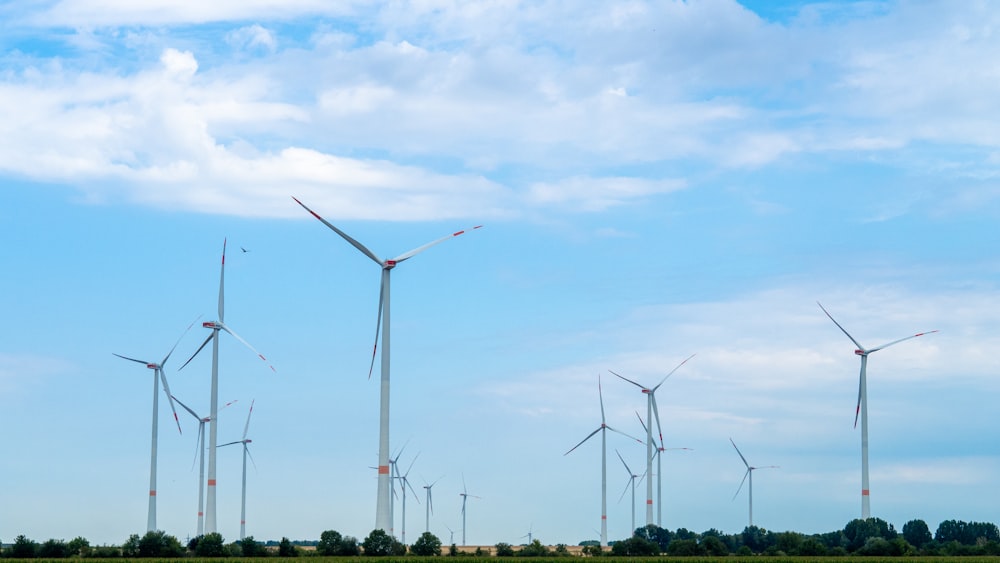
(604, 462)
(213, 426)
(862, 407)
(199, 457)
(246, 452)
(383, 511)
(158, 376)
(748, 474)
(631, 485)
(652, 410)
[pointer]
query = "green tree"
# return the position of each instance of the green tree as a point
(714, 546)
(917, 533)
(378, 543)
(452, 550)
(105, 552)
(131, 546)
(349, 547)
(286, 549)
(635, 546)
(561, 550)
(655, 534)
(53, 549)
(429, 545)
(79, 546)
(684, 548)
(757, 539)
(812, 547)
(788, 542)
(502, 549)
(158, 543)
(249, 547)
(593, 550)
(533, 549)
(211, 545)
(23, 548)
(329, 543)
(858, 532)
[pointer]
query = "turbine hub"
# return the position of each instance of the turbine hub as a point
(389, 264)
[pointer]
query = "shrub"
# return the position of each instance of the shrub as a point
(53, 549)
(210, 545)
(503, 549)
(286, 549)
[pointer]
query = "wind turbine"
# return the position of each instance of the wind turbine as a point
(465, 496)
(650, 411)
(246, 452)
(862, 407)
(213, 426)
(529, 534)
(383, 511)
(158, 376)
(404, 483)
(200, 458)
(604, 462)
(658, 453)
(749, 473)
(631, 485)
(452, 532)
(394, 475)
(430, 506)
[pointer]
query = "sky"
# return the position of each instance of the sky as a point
(655, 179)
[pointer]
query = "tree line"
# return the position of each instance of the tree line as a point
(870, 537)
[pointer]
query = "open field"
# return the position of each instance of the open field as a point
(481, 559)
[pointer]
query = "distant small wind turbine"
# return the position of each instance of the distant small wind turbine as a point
(158, 376)
(383, 509)
(658, 453)
(604, 462)
(430, 505)
(748, 474)
(862, 407)
(246, 452)
(199, 458)
(529, 534)
(652, 410)
(404, 484)
(465, 496)
(452, 532)
(631, 485)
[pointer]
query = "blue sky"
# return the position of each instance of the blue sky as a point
(656, 179)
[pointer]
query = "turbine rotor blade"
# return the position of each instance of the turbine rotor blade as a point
(222, 284)
(131, 359)
(246, 427)
(250, 455)
(170, 398)
(378, 325)
(210, 336)
(589, 436)
(672, 372)
(856, 343)
(629, 380)
(627, 468)
(857, 409)
(187, 408)
(418, 250)
(741, 483)
(364, 250)
(623, 434)
(181, 337)
(247, 344)
(229, 444)
(600, 395)
(877, 348)
(656, 415)
(741, 454)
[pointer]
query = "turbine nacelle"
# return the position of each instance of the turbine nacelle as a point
(153, 366)
(389, 264)
(211, 324)
(860, 352)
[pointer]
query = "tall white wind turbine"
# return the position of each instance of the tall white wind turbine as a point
(213, 425)
(604, 462)
(246, 452)
(200, 459)
(383, 512)
(658, 453)
(631, 485)
(748, 474)
(651, 411)
(862, 407)
(465, 496)
(158, 376)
